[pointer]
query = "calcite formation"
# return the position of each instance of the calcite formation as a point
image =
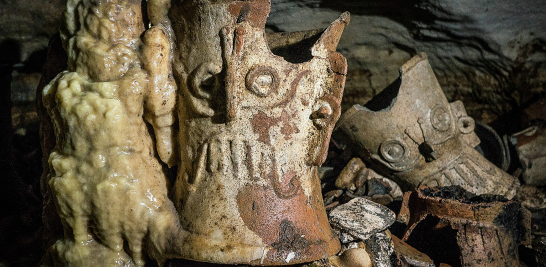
(252, 129)
(108, 185)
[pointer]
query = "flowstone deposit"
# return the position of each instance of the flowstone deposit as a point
(108, 186)
(252, 129)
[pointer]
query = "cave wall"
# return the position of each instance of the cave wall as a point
(490, 54)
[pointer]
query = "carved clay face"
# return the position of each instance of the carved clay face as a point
(198, 60)
(247, 189)
(421, 138)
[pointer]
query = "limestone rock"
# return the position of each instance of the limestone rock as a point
(380, 247)
(360, 219)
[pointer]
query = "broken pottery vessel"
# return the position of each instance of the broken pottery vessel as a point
(247, 190)
(253, 127)
(487, 229)
(529, 145)
(411, 132)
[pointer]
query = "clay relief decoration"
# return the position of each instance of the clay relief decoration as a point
(429, 140)
(150, 85)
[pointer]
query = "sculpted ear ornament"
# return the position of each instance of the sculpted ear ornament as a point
(262, 80)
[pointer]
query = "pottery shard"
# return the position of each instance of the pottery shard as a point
(529, 145)
(488, 228)
(532, 197)
(361, 218)
(410, 255)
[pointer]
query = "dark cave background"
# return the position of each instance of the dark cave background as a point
(489, 54)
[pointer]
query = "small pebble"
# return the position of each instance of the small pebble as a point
(377, 187)
(356, 257)
(331, 206)
(333, 193)
(347, 177)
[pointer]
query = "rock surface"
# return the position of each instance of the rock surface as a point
(381, 250)
(492, 52)
(361, 218)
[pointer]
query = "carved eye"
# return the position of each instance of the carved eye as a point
(466, 124)
(393, 151)
(262, 80)
(440, 119)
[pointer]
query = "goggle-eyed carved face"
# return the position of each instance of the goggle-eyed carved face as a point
(289, 106)
(254, 152)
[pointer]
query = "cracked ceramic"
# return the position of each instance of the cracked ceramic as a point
(247, 190)
(529, 145)
(411, 132)
(487, 229)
